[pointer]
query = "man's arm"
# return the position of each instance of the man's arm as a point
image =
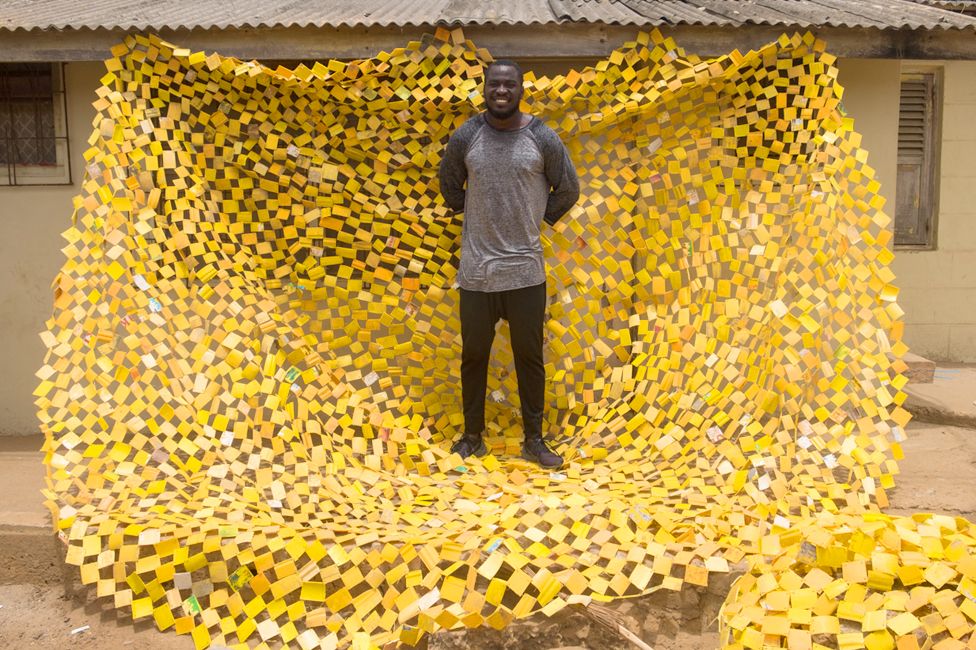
(561, 175)
(453, 171)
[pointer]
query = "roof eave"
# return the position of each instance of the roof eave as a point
(536, 40)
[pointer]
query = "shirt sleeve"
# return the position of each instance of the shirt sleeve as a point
(453, 171)
(561, 175)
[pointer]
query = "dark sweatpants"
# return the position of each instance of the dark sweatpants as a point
(524, 309)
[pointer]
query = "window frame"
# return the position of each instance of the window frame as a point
(13, 174)
(932, 158)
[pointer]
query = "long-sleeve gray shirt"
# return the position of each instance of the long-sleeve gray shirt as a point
(515, 180)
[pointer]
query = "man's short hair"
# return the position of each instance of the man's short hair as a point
(506, 63)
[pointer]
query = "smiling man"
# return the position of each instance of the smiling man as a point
(517, 174)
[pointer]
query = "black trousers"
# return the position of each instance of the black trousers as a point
(525, 310)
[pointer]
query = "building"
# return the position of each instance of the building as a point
(909, 69)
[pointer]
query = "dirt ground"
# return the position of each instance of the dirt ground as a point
(39, 616)
(937, 475)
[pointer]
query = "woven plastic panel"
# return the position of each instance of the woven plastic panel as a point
(252, 373)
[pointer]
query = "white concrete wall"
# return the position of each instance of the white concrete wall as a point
(871, 89)
(31, 222)
(938, 287)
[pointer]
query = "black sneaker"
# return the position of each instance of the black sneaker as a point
(468, 446)
(536, 450)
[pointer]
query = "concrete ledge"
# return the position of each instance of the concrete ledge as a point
(32, 555)
(949, 399)
(30, 551)
(925, 411)
(920, 370)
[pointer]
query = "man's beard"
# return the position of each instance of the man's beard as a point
(509, 111)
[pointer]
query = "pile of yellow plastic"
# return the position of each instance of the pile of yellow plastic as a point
(251, 380)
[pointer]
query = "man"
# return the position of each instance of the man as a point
(518, 174)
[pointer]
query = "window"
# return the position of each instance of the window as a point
(33, 133)
(917, 189)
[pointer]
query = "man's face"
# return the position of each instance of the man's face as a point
(503, 91)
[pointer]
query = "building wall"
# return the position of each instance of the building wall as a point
(31, 222)
(938, 287)
(871, 96)
(871, 90)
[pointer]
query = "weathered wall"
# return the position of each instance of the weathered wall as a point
(871, 97)
(31, 222)
(938, 287)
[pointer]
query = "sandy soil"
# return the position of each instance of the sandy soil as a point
(35, 616)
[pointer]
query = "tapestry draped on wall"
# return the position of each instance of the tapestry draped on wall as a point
(252, 371)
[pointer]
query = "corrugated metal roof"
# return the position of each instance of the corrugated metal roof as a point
(890, 14)
(967, 7)
(189, 14)
(950, 4)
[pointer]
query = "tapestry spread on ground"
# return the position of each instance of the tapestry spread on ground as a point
(252, 374)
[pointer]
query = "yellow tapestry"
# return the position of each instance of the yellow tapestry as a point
(252, 376)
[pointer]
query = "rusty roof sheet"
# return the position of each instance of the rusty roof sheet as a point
(190, 14)
(887, 14)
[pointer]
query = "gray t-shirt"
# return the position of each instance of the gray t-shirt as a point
(509, 175)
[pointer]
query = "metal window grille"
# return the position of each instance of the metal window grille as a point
(33, 135)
